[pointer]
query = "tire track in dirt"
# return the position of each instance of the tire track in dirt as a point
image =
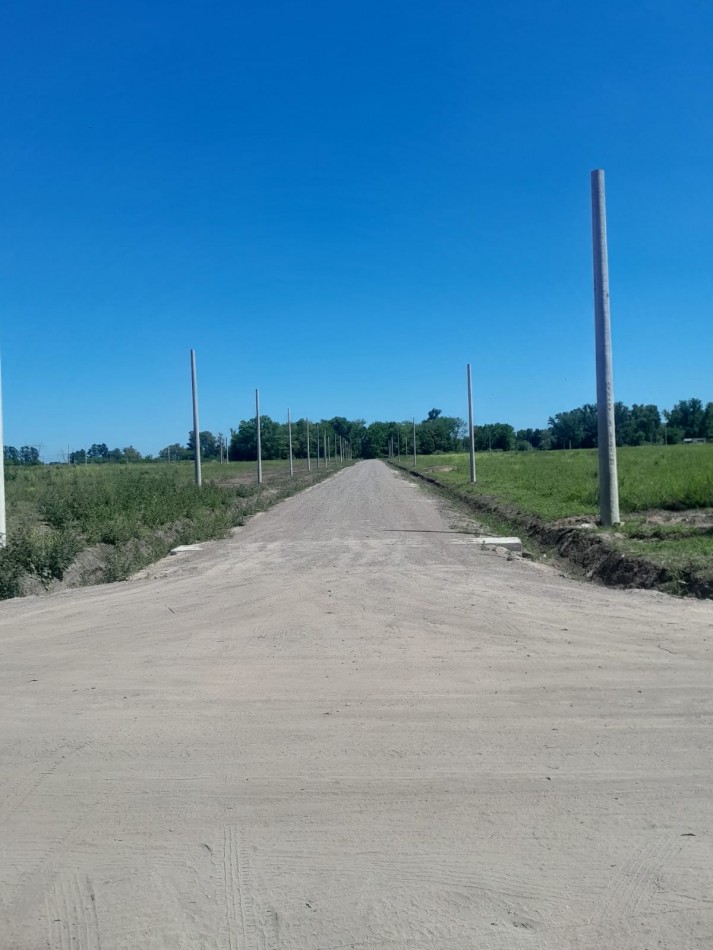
(249, 925)
(634, 885)
(73, 922)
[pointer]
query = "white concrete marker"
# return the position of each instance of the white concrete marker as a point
(186, 547)
(510, 544)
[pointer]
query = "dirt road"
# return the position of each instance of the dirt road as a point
(346, 727)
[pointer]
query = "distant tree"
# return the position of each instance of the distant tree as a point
(77, 458)
(29, 455)
(116, 455)
(690, 416)
(243, 442)
(11, 455)
(495, 436)
(209, 445)
(538, 438)
(575, 429)
(642, 425)
(98, 452)
(174, 452)
(131, 454)
(375, 440)
(440, 433)
(708, 422)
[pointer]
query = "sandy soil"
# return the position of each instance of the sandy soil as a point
(347, 727)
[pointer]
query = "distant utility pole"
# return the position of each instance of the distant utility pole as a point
(309, 460)
(414, 441)
(196, 427)
(3, 522)
(227, 447)
(289, 439)
(317, 446)
(258, 437)
(470, 427)
(608, 481)
(326, 451)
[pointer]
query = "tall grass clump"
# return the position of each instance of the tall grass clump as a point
(130, 515)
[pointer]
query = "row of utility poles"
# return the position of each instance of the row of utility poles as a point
(326, 450)
(608, 481)
(394, 448)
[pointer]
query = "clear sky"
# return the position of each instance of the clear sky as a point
(343, 202)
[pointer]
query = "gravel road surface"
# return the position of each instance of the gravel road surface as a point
(347, 727)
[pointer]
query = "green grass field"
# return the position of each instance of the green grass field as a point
(131, 514)
(664, 493)
(562, 484)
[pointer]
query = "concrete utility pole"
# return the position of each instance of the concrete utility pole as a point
(608, 481)
(326, 456)
(3, 523)
(317, 446)
(196, 427)
(470, 427)
(309, 460)
(289, 439)
(414, 441)
(258, 437)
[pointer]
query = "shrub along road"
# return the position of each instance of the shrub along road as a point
(347, 727)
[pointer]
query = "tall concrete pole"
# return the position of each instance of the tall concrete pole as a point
(414, 441)
(258, 438)
(317, 446)
(471, 439)
(608, 481)
(326, 456)
(309, 460)
(289, 439)
(3, 522)
(196, 427)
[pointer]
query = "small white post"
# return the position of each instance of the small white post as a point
(196, 427)
(258, 443)
(289, 439)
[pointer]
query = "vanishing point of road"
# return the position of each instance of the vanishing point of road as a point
(349, 727)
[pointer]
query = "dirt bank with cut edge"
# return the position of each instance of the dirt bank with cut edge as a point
(591, 552)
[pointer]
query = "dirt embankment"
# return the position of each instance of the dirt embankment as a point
(595, 554)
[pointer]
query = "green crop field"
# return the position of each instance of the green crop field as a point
(128, 515)
(666, 494)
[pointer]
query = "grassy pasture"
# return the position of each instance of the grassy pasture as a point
(130, 514)
(563, 484)
(665, 494)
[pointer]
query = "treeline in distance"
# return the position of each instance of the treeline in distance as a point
(576, 429)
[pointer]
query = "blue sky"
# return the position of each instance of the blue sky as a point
(343, 203)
